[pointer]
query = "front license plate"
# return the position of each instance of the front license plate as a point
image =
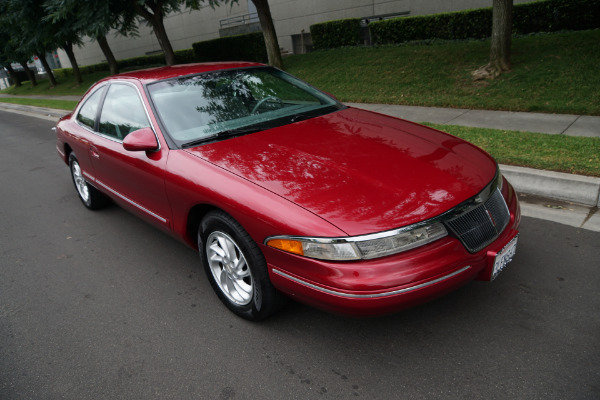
(504, 257)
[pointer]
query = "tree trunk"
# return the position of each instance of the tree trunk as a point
(30, 74)
(68, 48)
(110, 57)
(268, 29)
(161, 34)
(14, 76)
(501, 34)
(501, 41)
(155, 18)
(48, 70)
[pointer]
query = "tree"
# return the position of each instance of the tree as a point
(113, 65)
(42, 57)
(28, 30)
(13, 75)
(268, 29)
(95, 19)
(67, 27)
(30, 74)
(154, 12)
(501, 40)
(6, 52)
(67, 46)
(10, 49)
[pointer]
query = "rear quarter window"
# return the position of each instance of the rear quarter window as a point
(88, 112)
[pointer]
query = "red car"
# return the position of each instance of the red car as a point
(286, 192)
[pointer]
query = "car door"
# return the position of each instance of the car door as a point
(134, 178)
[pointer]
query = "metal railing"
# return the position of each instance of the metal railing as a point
(366, 20)
(239, 20)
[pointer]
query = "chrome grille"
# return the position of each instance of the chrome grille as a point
(481, 225)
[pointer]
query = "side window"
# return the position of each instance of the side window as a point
(122, 112)
(89, 110)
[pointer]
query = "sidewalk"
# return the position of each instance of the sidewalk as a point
(566, 198)
(560, 124)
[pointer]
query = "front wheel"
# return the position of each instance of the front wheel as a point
(89, 195)
(236, 268)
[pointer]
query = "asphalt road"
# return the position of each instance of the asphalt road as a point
(100, 305)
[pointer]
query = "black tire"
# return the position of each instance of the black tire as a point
(89, 195)
(239, 275)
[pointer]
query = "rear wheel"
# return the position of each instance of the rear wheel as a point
(89, 195)
(236, 268)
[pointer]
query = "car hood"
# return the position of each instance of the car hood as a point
(361, 171)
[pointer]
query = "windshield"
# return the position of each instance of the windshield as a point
(200, 108)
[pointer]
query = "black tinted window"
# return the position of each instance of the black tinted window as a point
(122, 112)
(87, 113)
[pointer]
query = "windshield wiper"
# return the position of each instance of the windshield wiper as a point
(221, 135)
(308, 114)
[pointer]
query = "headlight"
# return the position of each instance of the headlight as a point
(360, 247)
(323, 249)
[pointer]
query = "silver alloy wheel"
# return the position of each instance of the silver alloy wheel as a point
(80, 182)
(229, 268)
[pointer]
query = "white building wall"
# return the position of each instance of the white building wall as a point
(290, 17)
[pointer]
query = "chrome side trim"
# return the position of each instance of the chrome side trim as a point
(133, 203)
(375, 295)
(91, 177)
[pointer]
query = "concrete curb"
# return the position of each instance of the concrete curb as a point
(46, 113)
(554, 185)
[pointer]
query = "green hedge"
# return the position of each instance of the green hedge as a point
(246, 47)
(86, 69)
(538, 16)
(142, 61)
(451, 26)
(556, 15)
(331, 34)
(181, 57)
(186, 56)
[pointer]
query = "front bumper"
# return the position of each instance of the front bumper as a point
(389, 284)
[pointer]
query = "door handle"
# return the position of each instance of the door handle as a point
(94, 152)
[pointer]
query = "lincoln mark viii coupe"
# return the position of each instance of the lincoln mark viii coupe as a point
(286, 192)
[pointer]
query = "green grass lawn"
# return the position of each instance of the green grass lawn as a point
(555, 73)
(572, 154)
(66, 86)
(58, 104)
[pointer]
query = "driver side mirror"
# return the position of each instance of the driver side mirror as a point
(141, 140)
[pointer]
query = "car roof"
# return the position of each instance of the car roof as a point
(156, 74)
